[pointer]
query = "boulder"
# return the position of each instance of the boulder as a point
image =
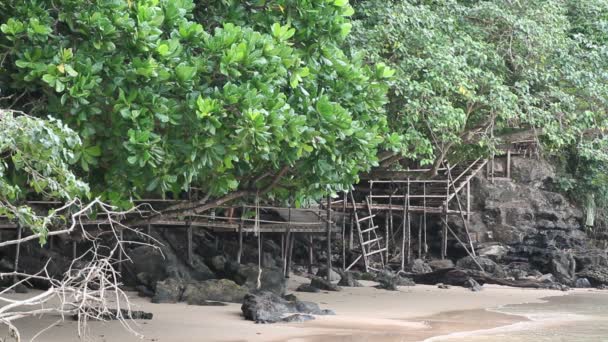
(267, 307)
(489, 266)
(324, 284)
(419, 266)
(168, 291)
(439, 264)
(596, 275)
(563, 267)
(472, 285)
(582, 283)
(218, 263)
(333, 274)
(271, 279)
(389, 281)
(222, 290)
(348, 280)
(307, 288)
(443, 286)
(494, 252)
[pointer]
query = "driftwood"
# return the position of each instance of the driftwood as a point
(458, 277)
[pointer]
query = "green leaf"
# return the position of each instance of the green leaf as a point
(185, 72)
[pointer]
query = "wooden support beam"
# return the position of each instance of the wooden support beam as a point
(239, 253)
(290, 242)
(74, 248)
(310, 253)
(189, 245)
(344, 233)
(17, 252)
(328, 237)
(508, 171)
(149, 232)
(261, 237)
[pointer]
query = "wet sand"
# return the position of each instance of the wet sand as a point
(363, 314)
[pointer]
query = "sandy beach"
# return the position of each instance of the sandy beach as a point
(362, 314)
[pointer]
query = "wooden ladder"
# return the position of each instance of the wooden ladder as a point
(369, 241)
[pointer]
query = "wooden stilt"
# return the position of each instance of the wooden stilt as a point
(310, 253)
(261, 236)
(389, 223)
(469, 202)
(287, 260)
(121, 234)
(149, 232)
(283, 248)
(425, 247)
(328, 237)
(508, 171)
(239, 253)
(420, 238)
(17, 252)
(74, 245)
(403, 233)
(189, 246)
(290, 242)
(344, 232)
(351, 240)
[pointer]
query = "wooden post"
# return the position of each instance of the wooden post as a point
(468, 202)
(74, 245)
(351, 239)
(403, 232)
(328, 237)
(290, 239)
(149, 232)
(283, 248)
(420, 239)
(425, 248)
(189, 244)
(239, 253)
(389, 222)
(344, 232)
(310, 253)
(121, 234)
(508, 163)
(261, 249)
(17, 252)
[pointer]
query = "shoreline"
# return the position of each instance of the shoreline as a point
(363, 314)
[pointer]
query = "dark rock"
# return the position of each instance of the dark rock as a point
(290, 297)
(271, 279)
(168, 291)
(364, 276)
(324, 284)
(218, 263)
(443, 286)
(495, 252)
(487, 264)
(21, 289)
(389, 281)
(547, 278)
(333, 274)
(596, 275)
(419, 266)
(267, 307)
(211, 303)
(222, 290)
(582, 283)
(563, 266)
(439, 264)
(472, 285)
(297, 318)
(348, 280)
(307, 288)
(144, 291)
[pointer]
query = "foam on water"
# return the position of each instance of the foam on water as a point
(579, 317)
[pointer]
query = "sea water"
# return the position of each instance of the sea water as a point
(578, 317)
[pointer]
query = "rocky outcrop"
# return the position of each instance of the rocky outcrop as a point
(419, 266)
(324, 284)
(222, 290)
(267, 307)
(348, 280)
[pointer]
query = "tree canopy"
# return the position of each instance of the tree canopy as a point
(294, 99)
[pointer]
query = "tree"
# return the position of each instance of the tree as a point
(469, 71)
(234, 98)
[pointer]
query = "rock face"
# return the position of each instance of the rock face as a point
(267, 307)
(440, 264)
(488, 265)
(419, 266)
(222, 290)
(389, 281)
(168, 291)
(525, 221)
(307, 288)
(348, 280)
(333, 274)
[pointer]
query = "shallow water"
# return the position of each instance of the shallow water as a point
(578, 317)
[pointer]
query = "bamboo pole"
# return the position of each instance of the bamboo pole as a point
(344, 233)
(189, 238)
(310, 253)
(17, 252)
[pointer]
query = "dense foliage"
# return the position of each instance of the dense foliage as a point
(223, 96)
(295, 98)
